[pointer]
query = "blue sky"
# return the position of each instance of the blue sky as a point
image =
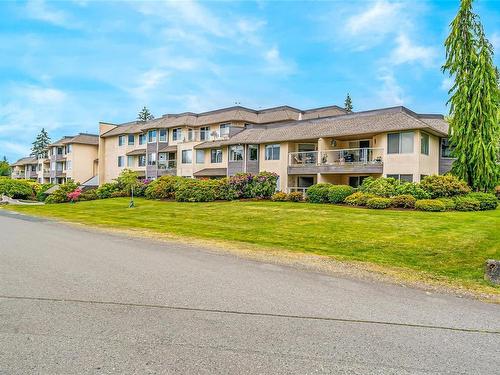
(67, 65)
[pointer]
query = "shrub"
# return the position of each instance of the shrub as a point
(487, 201)
(337, 193)
(40, 195)
(382, 187)
(89, 195)
(61, 194)
(432, 205)
(448, 202)
(18, 189)
(225, 191)
(74, 195)
(412, 188)
(279, 197)
(119, 194)
(404, 201)
(105, 190)
(264, 185)
(295, 196)
(466, 203)
(193, 190)
(358, 198)
(163, 187)
(444, 186)
(378, 203)
(318, 193)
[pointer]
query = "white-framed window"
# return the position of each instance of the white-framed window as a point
(121, 140)
(424, 143)
(401, 177)
(152, 136)
(224, 129)
(216, 155)
(131, 139)
(204, 133)
(190, 135)
(142, 139)
(120, 161)
(187, 156)
(235, 153)
(200, 156)
(152, 158)
(141, 160)
(400, 143)
(253, 152)
(60, 151)
(130, 161)
(163, 135)
(446, 148)
(176, 134)
(272, 152)
(68, 165)
(68, 148)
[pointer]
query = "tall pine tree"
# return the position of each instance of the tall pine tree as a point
(348, 103)
(144, 115)
(474, 101)
(39, 148)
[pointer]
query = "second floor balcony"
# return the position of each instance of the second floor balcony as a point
(351, 160)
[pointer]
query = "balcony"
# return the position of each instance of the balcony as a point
(168, 167)
(202, 136)
(351, 160)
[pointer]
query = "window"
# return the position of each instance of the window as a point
(401, 177)
(120, 161)
(424, 143)
(151, 136)
(446, 148)
(121, 140)
(68, 165)
(152, 159)
(200, 156)
(130, 161)
(142, 160)
(176, 134)
(59, 151)
(131, 139)
(216, 155)
(272, 152)
(187, 156)
(224, 129)
(400, 143)
(163, 135)
(204, 133)
(253, 152)
(142, 139)
(305, 181)
(356, 181)
(68, 148)
(190, 135)
(235, 153)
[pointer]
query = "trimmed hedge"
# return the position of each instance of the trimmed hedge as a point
(358, 199)
(412, 188)
(279, 197)
(17, 189)
(337, 193)
(378, 203)
(448, 202)
(106, 190)
(318, 193)
(404, 201)
(163, 187)
(193, 190)
(444, 186)
(466, 203)
(295, 196)
(432, 205)
(382, 187)
(486, 201)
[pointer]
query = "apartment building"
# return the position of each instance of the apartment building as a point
(70, 158)
(25, 168)
(302, 147)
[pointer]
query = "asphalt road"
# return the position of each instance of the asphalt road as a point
(74, 301)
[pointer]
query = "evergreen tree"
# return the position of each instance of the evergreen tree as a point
(474, 101)
(348, 103)
(144, 115)
(4, 167)
(40, 144)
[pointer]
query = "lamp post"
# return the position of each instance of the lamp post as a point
(131, 204)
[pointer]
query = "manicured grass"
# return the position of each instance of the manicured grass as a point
(448, 245)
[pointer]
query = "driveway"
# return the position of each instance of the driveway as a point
(76, 301)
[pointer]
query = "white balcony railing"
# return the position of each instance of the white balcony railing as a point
(298, 189)
(196, 135)
(348, 156)
(169, 164)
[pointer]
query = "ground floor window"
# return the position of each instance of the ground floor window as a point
(356, 181)
(187, 156)
(305, 181)
(401, 177)
(142, 160)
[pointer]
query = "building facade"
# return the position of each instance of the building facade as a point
(302, 147)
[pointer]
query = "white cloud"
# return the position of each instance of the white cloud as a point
(495, 41)
(407, 52)
(39, 10)
(446, 84)
(391, 93)
(380, 19)
(275, 63)
(14, 148)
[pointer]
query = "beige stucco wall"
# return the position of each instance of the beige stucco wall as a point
(82, 159)
(279, 167)
(429, 164)
(108, 160)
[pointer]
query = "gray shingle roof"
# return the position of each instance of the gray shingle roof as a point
(139, 151)
(134, 127)
(25, 161)
(211, 172)
(81, 138)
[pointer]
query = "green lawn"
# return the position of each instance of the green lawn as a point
(450, 246)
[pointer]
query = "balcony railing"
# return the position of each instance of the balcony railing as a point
(169, 164)
(348, 157)
(298, 189)
(202, 135)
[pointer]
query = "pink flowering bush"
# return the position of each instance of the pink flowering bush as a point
(74, 195)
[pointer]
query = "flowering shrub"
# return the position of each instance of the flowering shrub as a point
(279, 197)
(61, 194)
(74, 195)
(295, 196)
